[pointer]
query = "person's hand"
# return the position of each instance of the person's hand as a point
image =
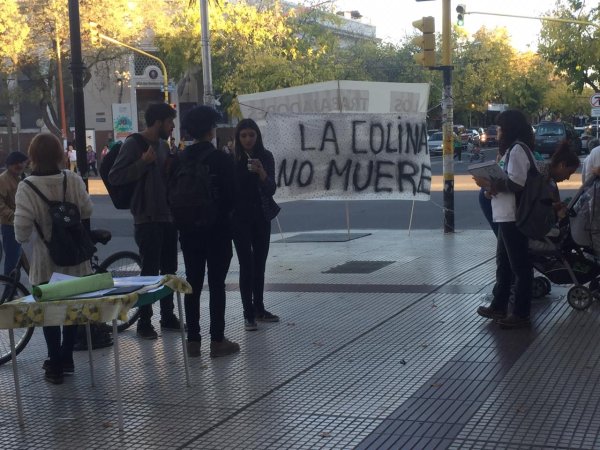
(561, 209)
(482, 182)
(257, 167)
(149, 155)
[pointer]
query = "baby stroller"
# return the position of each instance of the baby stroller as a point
(572, 255)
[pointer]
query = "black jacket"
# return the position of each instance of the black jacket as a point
(222, 178)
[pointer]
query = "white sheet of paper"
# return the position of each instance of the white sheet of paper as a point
(56, 277)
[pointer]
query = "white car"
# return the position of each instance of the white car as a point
(435, 143)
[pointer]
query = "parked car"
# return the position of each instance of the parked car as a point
(435, 143)
(431, 131)
(489, 138)
(549, 134)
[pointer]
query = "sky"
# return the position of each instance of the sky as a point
(393, 18)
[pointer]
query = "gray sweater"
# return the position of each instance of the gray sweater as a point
(149, 201)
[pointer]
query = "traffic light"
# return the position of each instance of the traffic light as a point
(94, 33)
(427, 42)
(460, 18)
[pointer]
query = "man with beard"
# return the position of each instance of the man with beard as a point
(142, 159)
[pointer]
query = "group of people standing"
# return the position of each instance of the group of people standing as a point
(499, 200)
(243, 185)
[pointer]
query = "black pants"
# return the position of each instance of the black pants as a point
(157, 242)
(252, 247)
(202, 249)
(512, 263)
(60, 352)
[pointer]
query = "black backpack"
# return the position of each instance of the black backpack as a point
(535, 215)
(120, 195)
(69, 243)
(191, 194)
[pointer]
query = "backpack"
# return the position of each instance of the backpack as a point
(120, 195)
(70, 243)
(535, 214)
(191, 193)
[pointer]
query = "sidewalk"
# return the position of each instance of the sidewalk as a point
(394, 358)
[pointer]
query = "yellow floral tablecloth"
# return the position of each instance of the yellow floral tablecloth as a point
(22, 313)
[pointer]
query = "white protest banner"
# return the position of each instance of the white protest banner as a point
(337, 96)
(350, 156)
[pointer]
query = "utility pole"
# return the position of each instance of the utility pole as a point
(78, 100)
(208, 95)
(427, 59)
(447, 119)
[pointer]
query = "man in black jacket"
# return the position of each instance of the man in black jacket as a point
(201, 190)
(155, 233)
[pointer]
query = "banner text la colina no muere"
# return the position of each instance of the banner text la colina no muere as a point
(350, 156)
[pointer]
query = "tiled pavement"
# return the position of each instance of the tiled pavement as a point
(395, 358)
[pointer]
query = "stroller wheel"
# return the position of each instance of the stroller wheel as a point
(579, 297)
(539, 287)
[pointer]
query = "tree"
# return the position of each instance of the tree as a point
(14, 33)
(48, 34)
(573, 49)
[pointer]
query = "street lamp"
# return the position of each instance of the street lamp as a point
(96, 34)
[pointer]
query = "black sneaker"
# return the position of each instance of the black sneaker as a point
(68, 367)
(513, 322)
(490, 313)
(266, 316)
(53, 375)
(171, 323)
(146, 332)
(250, 325)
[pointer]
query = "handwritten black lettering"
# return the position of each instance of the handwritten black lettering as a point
(344, 171)
(379, 174)
(356, 176)
(408, 176)
(388, 148)
(283, 173)
(425, 180)
(372, 133)
(355, 149)
(333, 138)
(308, 177)
(303, 146)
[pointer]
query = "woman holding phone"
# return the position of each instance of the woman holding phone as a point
(253, 211)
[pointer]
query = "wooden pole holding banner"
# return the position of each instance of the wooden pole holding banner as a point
(348, 218)
(339, 92)
(280, 230)
(412, 210)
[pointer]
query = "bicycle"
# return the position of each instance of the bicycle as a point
(119, 264)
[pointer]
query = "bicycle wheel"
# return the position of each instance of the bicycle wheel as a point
(124, 264)
(12, 290)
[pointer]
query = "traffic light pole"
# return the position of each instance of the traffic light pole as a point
(77, 68)
(447, 119)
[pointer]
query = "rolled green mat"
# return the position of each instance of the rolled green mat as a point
(67, 288)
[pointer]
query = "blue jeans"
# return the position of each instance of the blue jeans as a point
(12, 249)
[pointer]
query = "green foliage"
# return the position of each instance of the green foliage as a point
(573, 49)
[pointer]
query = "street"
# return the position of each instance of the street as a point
(313, 215)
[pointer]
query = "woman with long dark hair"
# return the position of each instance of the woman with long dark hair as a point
(516, 139)
(253, 211)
